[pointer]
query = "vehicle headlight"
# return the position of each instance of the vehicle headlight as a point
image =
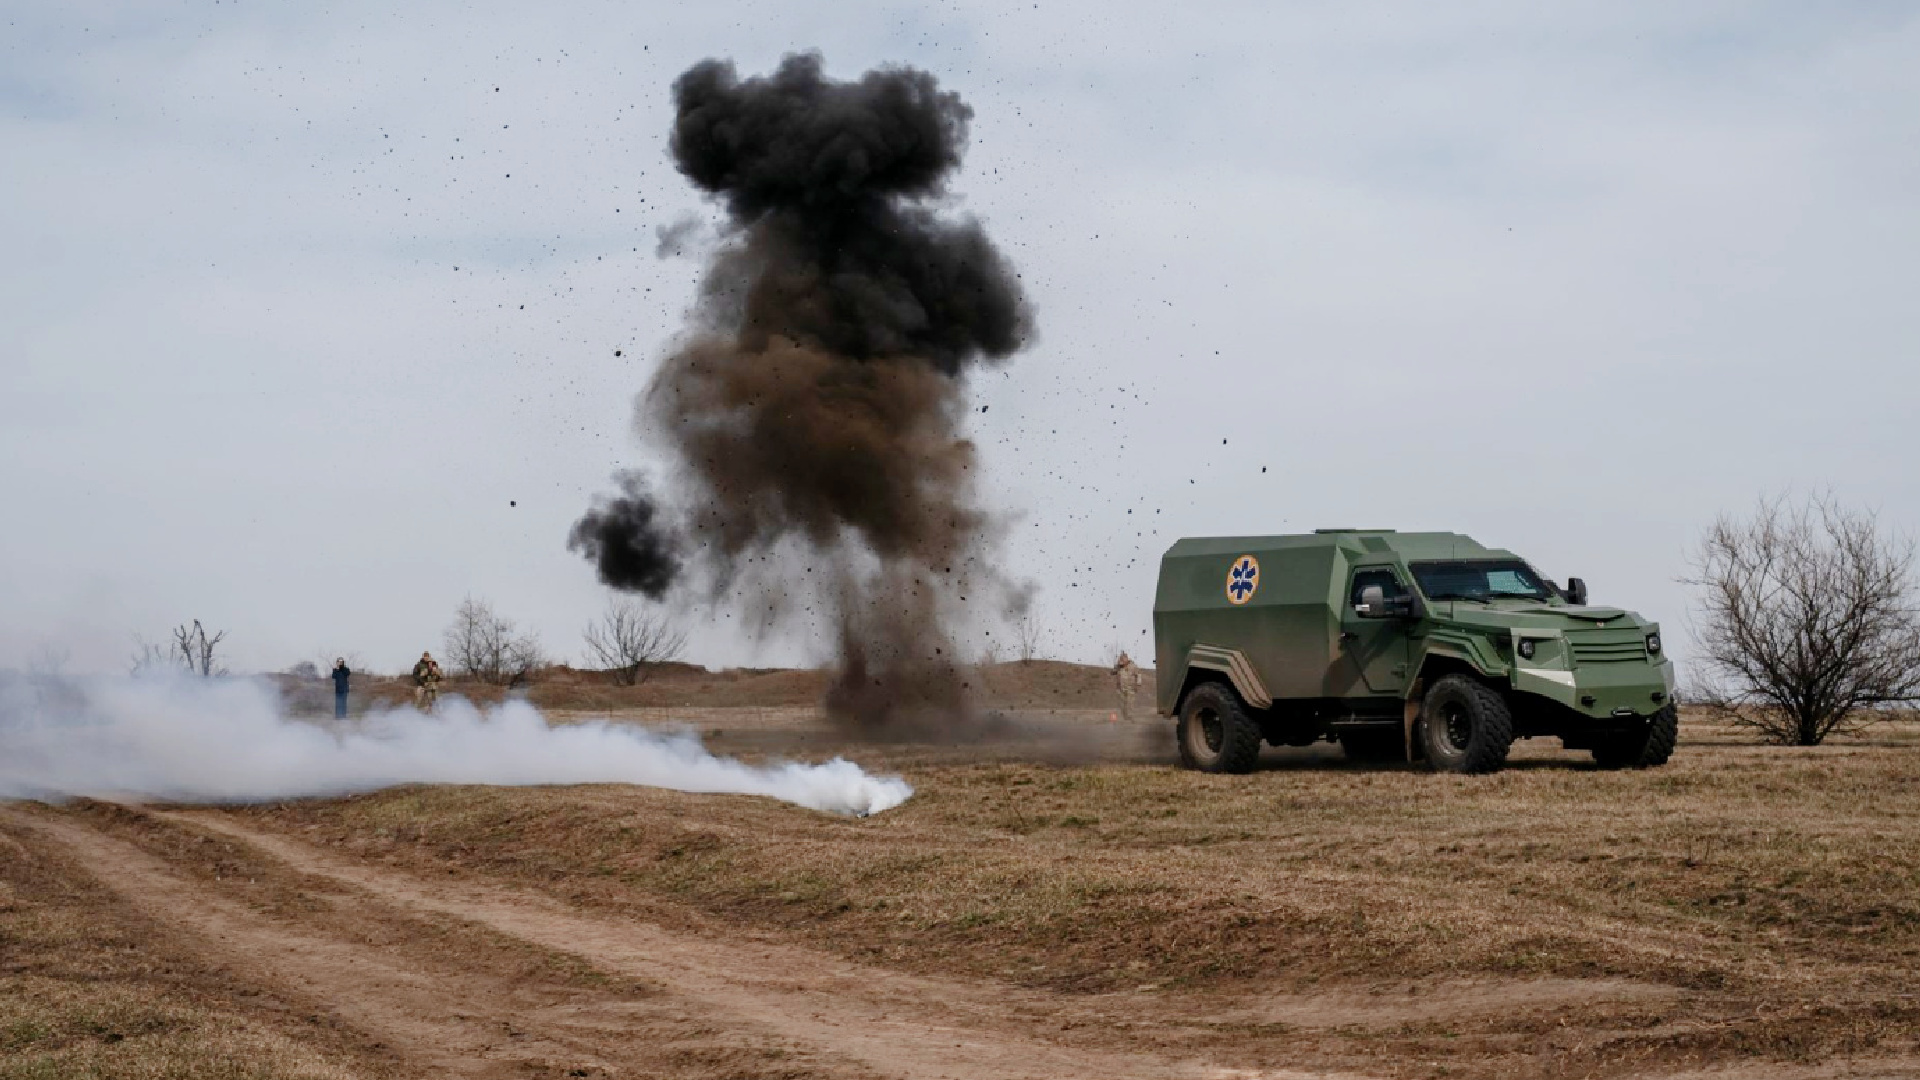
(1653, 643)
(1526, 648)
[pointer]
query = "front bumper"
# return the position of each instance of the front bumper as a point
(1601, 690)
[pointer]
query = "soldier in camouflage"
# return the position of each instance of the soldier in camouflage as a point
(1126, 677)
(426, 682)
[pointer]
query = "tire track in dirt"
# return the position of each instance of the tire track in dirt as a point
(439, 1019)
(894, 1023)
(754, 1009)
(430, 1025)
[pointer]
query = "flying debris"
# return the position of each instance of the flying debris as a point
(813, 409)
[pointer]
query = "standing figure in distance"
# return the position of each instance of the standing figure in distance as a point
(340, 676)
(1126, 676)
(426, 682)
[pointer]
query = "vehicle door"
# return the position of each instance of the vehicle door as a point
(1377, 651)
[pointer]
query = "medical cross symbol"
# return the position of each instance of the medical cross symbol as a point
(1242, 579)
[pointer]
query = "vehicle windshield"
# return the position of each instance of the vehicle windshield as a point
(1479, 579)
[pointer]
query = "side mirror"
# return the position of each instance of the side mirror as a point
(1372, 599)
(1576, 592)
(1375, 605)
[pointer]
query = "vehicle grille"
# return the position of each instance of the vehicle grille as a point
(1608, 650)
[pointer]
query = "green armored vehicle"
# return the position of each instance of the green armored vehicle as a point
(1400, 646)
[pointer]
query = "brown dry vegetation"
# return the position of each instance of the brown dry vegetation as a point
(1043, 684)
(1778, 895)
(89, 988)
(1746, 908)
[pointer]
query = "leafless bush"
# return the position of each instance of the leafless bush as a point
(148, 658)
(631, 641)
(195, 650)
(1808, 623)
(323, 661)
(489, 648)
(192, 650)
(1026, 638)
(47, 674)
(49, 661)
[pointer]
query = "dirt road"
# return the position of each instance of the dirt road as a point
(750, 1008)
(892, 1023)
(418, 967)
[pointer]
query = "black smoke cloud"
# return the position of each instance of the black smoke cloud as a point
(824, 174)
(814, 408)
(624, 537)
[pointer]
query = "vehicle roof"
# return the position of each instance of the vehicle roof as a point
(1407, 545)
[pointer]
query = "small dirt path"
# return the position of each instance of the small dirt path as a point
(719, 1008)
(893, 1023)
(823, 1016)
(453, 1028)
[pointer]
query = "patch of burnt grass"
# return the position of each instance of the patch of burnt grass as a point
(1734, 866)
(88, 988)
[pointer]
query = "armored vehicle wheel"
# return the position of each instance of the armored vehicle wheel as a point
(1465, 726)
(1643, 749)
(1373, 746)
(1215, 734)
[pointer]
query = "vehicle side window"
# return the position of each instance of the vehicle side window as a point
(1389, 585)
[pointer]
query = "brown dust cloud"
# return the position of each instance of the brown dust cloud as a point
(813, 466)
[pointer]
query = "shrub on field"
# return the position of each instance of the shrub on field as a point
(1808, 621)
(631, 642)
(484, 646)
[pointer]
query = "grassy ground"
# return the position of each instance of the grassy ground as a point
(1757, 905)
(89, 990)
(1039, 684)
(1778, 891)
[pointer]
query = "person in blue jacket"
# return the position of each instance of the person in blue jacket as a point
(340, 677)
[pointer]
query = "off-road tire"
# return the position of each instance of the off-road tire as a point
(1215, 733)
(1374, 747)
(1465, 726)
(1647, 748)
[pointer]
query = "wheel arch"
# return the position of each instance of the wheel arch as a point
(1211, 663)
(1440, 660)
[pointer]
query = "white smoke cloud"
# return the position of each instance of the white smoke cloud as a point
(228, 740)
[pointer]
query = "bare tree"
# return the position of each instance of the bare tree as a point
(195, 650)
(630, 641)
(487, 647)
(1026, 638)
(323, 661)
(47, 674)
(473, 641)
(49, 661)
(148, 658)
(192, 650)
(1808, 620)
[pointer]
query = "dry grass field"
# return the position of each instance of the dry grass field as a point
(1057, 900)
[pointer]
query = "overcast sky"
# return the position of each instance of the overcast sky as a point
(309, 313)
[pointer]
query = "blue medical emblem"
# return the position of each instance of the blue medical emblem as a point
(1242, 579)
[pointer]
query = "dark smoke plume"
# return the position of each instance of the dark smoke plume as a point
(814, 410)
(624, 539)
